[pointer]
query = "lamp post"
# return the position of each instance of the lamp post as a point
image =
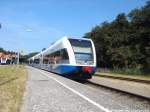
(18, 58)
(0, 25)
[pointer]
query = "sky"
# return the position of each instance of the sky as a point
(31, 25)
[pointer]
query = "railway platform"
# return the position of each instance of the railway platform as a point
(49, 92)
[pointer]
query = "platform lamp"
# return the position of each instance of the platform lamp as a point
(20, 51)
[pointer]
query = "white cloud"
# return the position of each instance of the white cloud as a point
(28, 30)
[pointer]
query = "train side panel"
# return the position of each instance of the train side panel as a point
(60, 58)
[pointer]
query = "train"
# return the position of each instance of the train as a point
(68, 57)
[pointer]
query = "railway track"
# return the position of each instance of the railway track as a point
(125, 78)
(96, 85)
(136, 94)
(108, 88)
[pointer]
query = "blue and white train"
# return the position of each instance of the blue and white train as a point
(68, 56)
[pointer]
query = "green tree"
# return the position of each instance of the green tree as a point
(1, 49)
(124, 43)
(24, 58)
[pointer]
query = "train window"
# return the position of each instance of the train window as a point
(57, 53)
(80, 43)
(82, 50)
(81, 46)
(45, 59)
(64, 56)
(49, 59)
(57, 57)
(36, 61)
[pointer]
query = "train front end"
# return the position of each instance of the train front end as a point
(84, 56)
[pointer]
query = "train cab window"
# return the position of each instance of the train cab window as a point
(83, 51)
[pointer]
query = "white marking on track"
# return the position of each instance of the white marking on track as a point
(76, 92)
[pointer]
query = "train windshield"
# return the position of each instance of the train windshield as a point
(83, 51)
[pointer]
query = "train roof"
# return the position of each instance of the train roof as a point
(55, 43)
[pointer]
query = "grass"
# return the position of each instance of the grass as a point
(12, 86)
